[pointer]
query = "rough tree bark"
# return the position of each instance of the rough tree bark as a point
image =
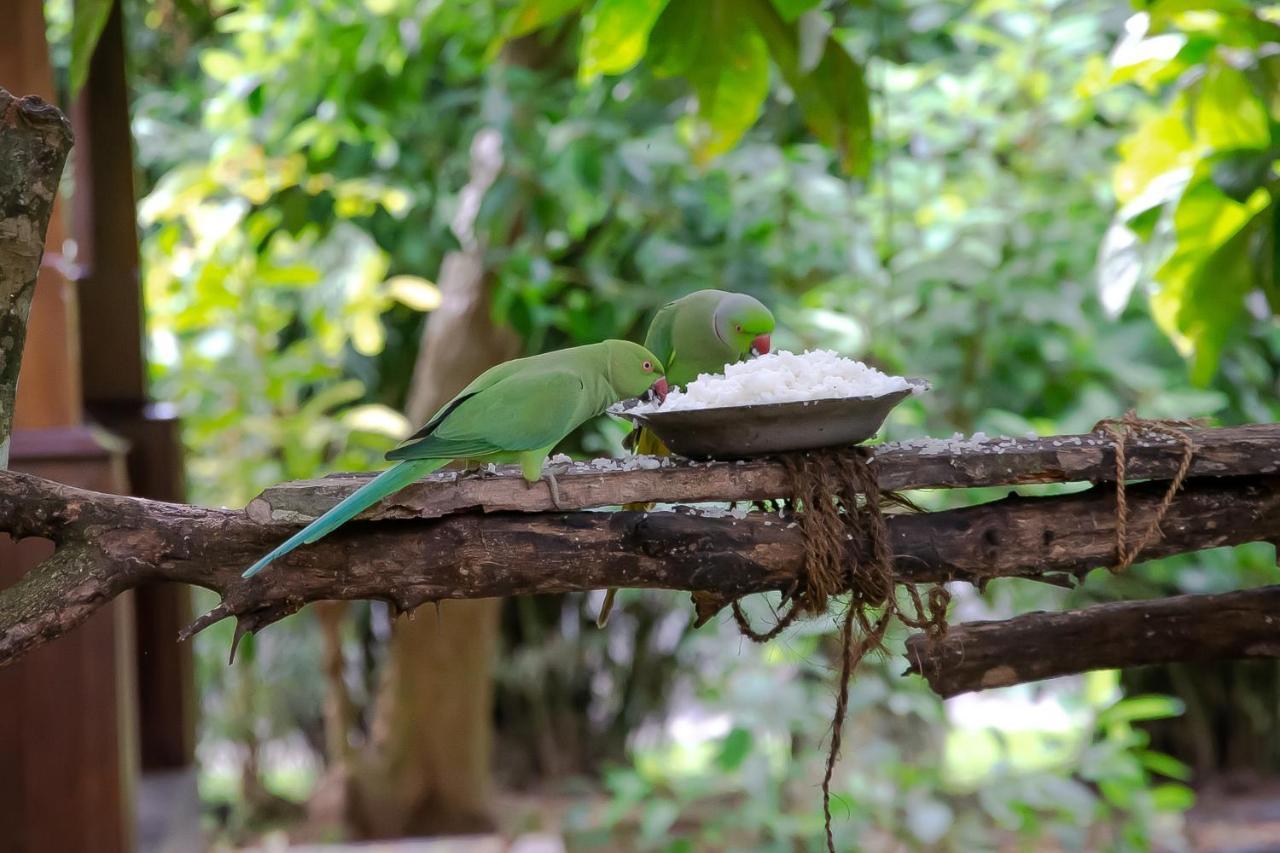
(1034, 646)
(1235, 451)
(427, 767)
(34, 140)
(107, 544)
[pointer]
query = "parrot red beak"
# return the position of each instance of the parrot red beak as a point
(659, 389)
(760, 346)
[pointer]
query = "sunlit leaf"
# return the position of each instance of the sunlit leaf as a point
(616, 35)
(725, 59)
(1159, 145)
(1228, 113)
(418, 293)
(90, 17)
(832, 97)
(1202, 286)
(377, 419)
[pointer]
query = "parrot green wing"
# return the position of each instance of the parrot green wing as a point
(519, 412)
(659, 339)
(488, 379)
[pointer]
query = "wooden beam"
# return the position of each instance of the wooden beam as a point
(982, 655)
(997, 461)
(109, 544)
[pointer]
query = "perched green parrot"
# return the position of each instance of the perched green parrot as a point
(698, 333)
(517, 411)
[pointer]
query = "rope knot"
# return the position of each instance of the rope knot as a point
(1121, 430)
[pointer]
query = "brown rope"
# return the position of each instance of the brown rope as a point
(836, 499)
(1121, 430)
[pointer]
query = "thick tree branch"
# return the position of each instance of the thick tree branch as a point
(34, 140)
(994, 462)
(476, 556)
(981, 655)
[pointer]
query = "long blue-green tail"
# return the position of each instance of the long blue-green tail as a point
(388, 482)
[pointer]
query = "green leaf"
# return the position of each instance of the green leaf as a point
(1202, 286)
(530, 15)
(1228, 112)
(832, 97)
(790, 10)
(734, 750)
(1239, 173)
(1172, 798)
(86, 28)
(616, 36)
(1165, 765)
(678, 36)
(1147, 707)
(414, 291)
(723, 56)
(1158, 146)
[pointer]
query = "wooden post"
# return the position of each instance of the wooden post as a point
(68, 724)
(113, 370)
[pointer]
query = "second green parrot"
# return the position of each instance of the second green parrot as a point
(517, 411)
(698, 333)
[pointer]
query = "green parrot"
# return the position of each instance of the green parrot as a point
(698, 333)
(517, 411)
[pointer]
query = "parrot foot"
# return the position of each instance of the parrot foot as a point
(606, 607)
(549, 475)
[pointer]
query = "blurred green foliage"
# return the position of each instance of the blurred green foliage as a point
(303, 164)
(1198, 182)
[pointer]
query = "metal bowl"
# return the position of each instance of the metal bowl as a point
(739, 432)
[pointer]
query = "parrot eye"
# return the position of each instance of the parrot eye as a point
(648, 365)
(738, 327)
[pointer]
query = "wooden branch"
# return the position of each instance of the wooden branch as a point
(34, 140)
(406, 563)
(993, 462)
(982, 655)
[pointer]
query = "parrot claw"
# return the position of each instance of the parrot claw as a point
(606, 607)
(549, 475)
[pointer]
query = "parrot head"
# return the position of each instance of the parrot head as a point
(634, 371)
(744, 323)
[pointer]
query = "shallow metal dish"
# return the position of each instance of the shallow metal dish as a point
(739, 432)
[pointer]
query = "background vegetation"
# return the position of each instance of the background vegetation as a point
(1055, 210)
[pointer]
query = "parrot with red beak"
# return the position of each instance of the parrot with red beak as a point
(695, 334)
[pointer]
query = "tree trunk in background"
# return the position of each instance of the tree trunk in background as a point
(426, 769)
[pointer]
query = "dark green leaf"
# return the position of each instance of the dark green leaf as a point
(735, 749)
(833, 97)
(1239, 173)
(530, 15)
(790, 10)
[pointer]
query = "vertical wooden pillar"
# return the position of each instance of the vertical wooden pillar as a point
(68, 725)
(115, 382)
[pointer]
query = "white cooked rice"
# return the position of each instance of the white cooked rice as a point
(781, 377)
